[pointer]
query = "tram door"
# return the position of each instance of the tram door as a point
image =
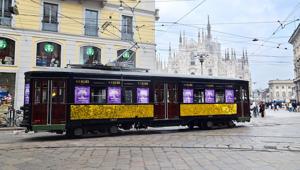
(166, 104)
(243, 104)
(49, 102)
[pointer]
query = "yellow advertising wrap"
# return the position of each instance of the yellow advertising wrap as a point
(207, 109)
(83, 112)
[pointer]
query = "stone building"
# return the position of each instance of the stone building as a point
(204, 57)
(295, 41)
(281, 90)
(42, 34)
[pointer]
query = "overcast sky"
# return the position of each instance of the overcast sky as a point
(235, 23)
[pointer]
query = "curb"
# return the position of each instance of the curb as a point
(11, 128)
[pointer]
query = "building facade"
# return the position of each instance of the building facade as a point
(37, 34)
(295, 41)
(204, 57)
(281, 90)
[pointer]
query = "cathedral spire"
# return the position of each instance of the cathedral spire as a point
(203, 37)
(208, 29)
(180, 38)
(184, 40)
(234, 55)
(170, 50)
(246, 56)
(199, 37)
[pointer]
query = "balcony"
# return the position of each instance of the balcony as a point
(102, 3)
(91, 30)
(50, 26)
(126, 36)
(5, 21)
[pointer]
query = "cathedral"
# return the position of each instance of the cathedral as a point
(204, 57)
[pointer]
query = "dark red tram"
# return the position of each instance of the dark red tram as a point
(76, 101)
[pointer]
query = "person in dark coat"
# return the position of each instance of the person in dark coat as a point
(262, 109)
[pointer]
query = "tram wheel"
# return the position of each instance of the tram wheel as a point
(209, 124)
(113, 129)
(78, 132)
(191, 125)
(230, 124)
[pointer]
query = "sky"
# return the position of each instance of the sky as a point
(235, 23)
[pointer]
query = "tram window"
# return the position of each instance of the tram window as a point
(128, 95)
(172, 93)
(229, 96)
(188, 95)
(142, 95)
(58, 95)
(237, 96)
(114, 95)
(219, 96)
(44, 94)
(209, 96)
(98, 95)
(58, 92)
(37, 93)
(158, 96)
(198, 95)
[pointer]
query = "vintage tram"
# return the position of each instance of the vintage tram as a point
(78, 100)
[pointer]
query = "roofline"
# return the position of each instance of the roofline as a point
(93, 71)
(292, 38)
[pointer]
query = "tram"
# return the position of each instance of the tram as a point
(79, 100)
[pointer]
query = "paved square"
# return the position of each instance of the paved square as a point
(272, 142)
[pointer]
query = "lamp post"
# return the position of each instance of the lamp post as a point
(201, 60)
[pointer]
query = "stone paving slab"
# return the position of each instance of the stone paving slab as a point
(269, 143)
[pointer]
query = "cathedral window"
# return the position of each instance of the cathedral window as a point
(283, 94)
(210, 73)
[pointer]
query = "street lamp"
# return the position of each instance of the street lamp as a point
(201, 60)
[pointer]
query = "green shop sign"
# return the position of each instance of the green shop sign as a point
(90, 51)
(126, 55)
(49, 48)
(3, 44)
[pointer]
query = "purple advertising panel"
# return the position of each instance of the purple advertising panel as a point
(188, 95)
(142, 95)
(27, 93)
(229, 96)
(114, 95)
(82, 94)
(209, 96)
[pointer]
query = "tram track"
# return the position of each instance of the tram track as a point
(221, 147)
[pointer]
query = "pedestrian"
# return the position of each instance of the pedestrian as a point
(262, 109)
(255, 112)
(290, 107)
(294, 106)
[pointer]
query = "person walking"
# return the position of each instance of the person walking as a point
(294, 106)
(262, 109)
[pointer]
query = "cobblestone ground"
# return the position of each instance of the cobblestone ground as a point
(272, 142)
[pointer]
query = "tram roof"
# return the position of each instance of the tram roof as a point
(130, 73)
